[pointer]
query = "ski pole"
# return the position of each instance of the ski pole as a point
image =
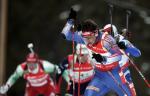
(111, 17)
(138, 70)
(73, 51)
(128, 13)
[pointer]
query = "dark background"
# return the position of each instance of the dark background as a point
(41, 21)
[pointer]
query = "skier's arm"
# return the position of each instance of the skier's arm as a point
(69, 35)
(12, 79)
(48, 66)
(129, 48)
(66, 32)
(63, 65)
(65, 75)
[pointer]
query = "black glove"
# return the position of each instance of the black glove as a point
(72, 14)
(98, 57)
(122, 45)
(79, 27)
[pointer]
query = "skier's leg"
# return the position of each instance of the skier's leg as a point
(129, 81)
(96, 88)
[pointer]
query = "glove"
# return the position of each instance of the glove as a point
(4, 89)
(72, 14)
(126, 33)
(98, 57)
(122, 45)
(70, 82)
(79, 27)
(69, 85)
(58, 70)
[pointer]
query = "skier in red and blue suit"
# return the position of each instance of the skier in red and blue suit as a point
(128, 49)
(106, 56)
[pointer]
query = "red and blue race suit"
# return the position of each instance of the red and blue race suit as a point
(106, 78)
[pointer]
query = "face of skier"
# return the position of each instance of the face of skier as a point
(82, 57)
(32, 62)
(91, 37)
(33, 67)
(89, 31)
